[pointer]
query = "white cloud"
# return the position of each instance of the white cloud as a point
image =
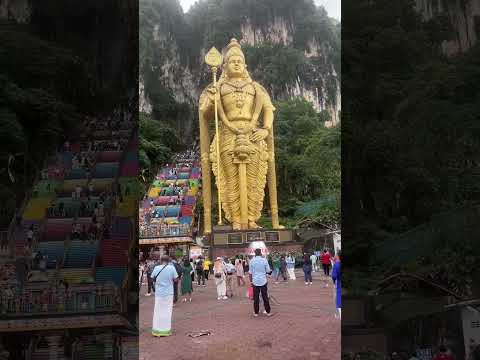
(333, 7)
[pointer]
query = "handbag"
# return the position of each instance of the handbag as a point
(250, 293)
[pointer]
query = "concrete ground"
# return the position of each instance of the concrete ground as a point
(303, 326)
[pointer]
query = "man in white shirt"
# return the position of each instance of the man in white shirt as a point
(258, 271)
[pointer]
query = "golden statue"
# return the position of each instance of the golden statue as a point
(243, 114)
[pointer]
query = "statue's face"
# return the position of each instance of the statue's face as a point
(235, 66)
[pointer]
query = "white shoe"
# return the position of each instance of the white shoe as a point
(219, 298)
(310, 283)
(306, 283)
(225, 298)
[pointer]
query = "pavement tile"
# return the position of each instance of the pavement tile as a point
(303, 328)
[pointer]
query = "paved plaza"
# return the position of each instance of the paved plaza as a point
(303, 326)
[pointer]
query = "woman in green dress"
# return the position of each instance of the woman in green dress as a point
(187, 281)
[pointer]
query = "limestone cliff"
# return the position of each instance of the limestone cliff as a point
(173, 44)
(463, 17)
(15, 10)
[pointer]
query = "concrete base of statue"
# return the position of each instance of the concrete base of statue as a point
(228, 242)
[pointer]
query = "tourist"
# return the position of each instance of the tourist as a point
(240, 273)
(337, 280)
(30, 236)
(259, 269)
(179, 270)
(230, 267)
(206, 268)
(187, 281)
(199, 270)
(245, 265)
(150, 267)
(193, 273)
(291, 267)
(276, 268)
(141, 272)
(283, 267)
(78, 191)
(313, 259)
(163, 276)
(220, 275)
(326, 259)
(307, 269)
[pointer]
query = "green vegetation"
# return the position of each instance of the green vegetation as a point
(308, 163)
(36, 107)
(411, 136)
(53, 73)
(275, 66)
(158, 142)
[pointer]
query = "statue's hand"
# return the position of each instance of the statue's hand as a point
(211, 90)
(258, 135)
(212, 93)
(244, 130)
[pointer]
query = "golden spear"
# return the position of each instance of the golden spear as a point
(214, 59)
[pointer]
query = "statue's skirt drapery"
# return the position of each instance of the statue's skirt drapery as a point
(229, 175)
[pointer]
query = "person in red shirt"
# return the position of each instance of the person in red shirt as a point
(326, 263)
(442, 354)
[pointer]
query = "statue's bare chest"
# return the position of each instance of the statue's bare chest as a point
(238, 98)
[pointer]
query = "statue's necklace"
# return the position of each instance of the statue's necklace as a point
(239, 93)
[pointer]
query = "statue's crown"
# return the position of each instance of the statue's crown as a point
(234, 48)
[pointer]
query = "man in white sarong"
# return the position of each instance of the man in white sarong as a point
(163, 277)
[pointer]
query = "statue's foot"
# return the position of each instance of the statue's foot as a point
(236, 226)
(279, 227)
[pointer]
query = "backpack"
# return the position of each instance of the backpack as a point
(199, 265)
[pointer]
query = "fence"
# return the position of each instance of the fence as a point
(164, 230)
(45, 301)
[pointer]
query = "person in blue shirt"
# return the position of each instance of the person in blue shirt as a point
(163, 277)
(258, 271)
(337, 280)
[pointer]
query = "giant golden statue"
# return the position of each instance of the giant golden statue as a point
(243, 115)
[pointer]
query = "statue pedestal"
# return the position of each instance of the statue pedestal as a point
(227, 242)
(221, 228)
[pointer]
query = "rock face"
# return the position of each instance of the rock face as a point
(464, 17)
(281, 31)
(19, 11)
(182, 70)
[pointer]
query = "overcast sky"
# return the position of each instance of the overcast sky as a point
(333, 7)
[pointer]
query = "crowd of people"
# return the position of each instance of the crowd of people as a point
(171, 277)
(84, 201)
(171, 196)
